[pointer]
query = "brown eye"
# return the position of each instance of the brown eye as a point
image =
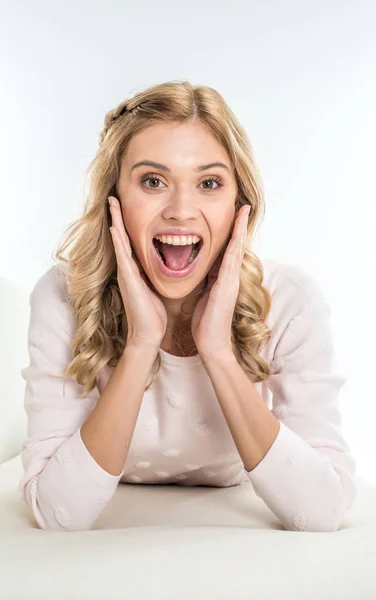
(211, 179)
(151, 178)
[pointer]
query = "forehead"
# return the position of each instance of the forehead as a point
(176, 144)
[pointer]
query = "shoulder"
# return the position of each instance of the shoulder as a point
(51, 286)
(291, 281)
(295, 293)
(51, 322)
(49, 298)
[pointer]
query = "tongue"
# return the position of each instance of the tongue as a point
(176, 257)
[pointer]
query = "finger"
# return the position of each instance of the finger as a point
(236, 244)
(246, 215)
(243, 220)
(235, 250)
(125, 262)
(117, 221)
(242, 229)
(122, 257)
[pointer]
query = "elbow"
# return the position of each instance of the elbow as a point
(317, 526)
(49, 525)
(57, 518)
(51, 520)
(310, 524)
(302, 522)
(51, 515)
(327, 521)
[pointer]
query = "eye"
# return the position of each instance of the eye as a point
(151, 178)
(157, 179)
(211, 179)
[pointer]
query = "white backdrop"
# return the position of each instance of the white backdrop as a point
(300, 76)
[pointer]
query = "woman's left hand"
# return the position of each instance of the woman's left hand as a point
(213, 314)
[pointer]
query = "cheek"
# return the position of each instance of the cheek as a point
(222, 226)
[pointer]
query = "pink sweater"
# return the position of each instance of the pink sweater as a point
(181, 436)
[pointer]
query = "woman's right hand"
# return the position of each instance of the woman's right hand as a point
(146, 314)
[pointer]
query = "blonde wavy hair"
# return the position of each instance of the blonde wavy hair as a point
(91, 275)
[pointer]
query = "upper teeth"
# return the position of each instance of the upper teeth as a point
(178, 240)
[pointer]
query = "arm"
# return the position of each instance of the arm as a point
(295, 455)
(253, 426)
(108, 432)
(68, 480)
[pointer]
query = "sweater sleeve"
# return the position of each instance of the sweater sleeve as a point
(307, 476)
(63, 485)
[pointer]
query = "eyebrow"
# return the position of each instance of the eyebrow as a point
(151, 163)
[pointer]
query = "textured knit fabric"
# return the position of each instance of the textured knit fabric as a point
(181, 435)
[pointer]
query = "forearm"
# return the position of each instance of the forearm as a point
(108, 432)
(252, 425)
(303, 487)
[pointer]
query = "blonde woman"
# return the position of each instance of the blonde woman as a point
(163, 350)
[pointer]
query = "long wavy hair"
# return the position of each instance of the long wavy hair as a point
(91, 267)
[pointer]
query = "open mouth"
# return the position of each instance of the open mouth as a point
(177, 257)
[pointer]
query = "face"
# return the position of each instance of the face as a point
(153, 199)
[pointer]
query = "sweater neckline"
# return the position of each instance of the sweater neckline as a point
(179, 361)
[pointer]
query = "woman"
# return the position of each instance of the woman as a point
(243, 381)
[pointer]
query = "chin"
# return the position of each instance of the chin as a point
(181, 291)
(178, 291)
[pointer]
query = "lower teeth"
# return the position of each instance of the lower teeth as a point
(160, 255)
(193, 255)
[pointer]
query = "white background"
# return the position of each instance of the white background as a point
(301, 78)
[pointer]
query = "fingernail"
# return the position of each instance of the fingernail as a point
(109, 200)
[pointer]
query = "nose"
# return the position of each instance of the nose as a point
(182, 207)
